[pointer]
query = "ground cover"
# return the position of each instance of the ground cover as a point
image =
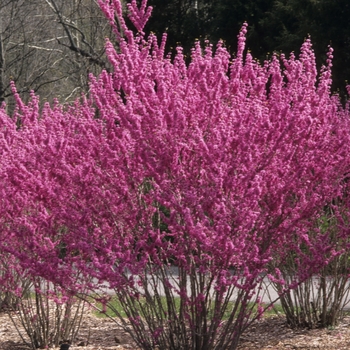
(115, 308)
(271, 332)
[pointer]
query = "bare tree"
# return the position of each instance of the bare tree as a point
(2, 67)
(50, 46)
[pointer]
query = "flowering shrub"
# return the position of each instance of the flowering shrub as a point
(180, 187)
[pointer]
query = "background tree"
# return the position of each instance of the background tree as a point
(49, 46)
(274, 25)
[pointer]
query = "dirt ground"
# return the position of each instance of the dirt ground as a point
(266, 334)
(273, 333)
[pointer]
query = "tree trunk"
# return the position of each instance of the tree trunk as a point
(2, 70)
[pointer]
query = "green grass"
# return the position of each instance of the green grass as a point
(114, 304)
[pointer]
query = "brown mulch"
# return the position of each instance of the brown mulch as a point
(267, 334)
(273, 333)
(95, 334)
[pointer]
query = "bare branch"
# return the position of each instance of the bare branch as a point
(36, 47)
(67, 24)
